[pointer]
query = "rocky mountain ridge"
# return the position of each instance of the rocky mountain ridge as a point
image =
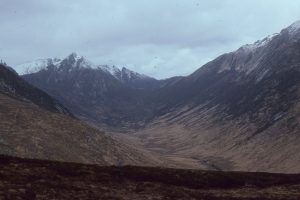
(78, 62)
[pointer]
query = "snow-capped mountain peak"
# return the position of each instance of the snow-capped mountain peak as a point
(72, 61)
(76, 62)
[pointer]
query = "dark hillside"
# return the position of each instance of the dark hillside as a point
(38, 179)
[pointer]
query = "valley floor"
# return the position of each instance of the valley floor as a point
(39, 179)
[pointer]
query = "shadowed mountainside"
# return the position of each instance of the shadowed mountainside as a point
(14, 86)
(98, 94)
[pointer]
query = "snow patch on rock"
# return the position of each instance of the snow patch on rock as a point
(113, 70)
(35, 66)
(259, 43)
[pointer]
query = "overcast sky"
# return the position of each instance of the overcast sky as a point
(160, 38)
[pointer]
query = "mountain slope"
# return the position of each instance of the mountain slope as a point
(30, 127)
(243, 82)
(11, 84)
(238, 112)
(101, 95)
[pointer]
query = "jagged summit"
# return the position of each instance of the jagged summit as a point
(73, 58)
(76, 62)
(74, 55)
(110, 69)
(122, 74)
(129, 75)
(72, 61)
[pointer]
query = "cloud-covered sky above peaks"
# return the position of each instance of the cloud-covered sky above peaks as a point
(160, 38)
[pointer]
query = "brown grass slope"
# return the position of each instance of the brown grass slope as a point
(29, 131)
(199, 140)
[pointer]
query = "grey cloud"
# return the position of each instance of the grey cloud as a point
(161, 38)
